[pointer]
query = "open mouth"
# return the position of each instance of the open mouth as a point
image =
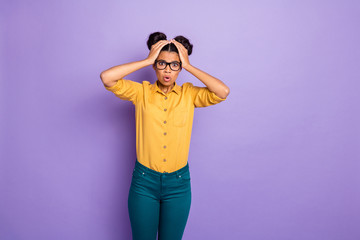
(167, 78)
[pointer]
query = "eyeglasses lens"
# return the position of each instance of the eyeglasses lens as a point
(161, 65)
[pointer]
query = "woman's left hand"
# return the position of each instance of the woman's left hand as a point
(183, 52)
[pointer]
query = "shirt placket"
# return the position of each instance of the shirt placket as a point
(165, 141)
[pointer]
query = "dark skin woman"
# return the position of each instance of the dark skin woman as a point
(160, 192)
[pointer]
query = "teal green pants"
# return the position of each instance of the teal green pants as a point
(159, 203)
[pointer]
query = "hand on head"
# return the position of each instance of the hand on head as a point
(183, 53)
(156, 48)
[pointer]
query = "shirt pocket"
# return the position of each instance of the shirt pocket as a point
(180, 117)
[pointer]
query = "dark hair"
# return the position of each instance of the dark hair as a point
(158, 36)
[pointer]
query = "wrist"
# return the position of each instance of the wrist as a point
(148, 61)
(186, 66)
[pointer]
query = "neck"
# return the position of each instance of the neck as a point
(164, 88)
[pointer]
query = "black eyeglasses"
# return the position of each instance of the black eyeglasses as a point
(161, 65)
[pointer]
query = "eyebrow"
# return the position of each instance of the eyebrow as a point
(168, 62)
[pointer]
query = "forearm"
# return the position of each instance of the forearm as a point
(111, 75)
(213, 84)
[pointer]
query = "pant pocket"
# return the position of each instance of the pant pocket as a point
(185, 176)
(138, 175)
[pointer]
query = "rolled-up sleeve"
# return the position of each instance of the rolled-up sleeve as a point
(126, 90)
(203, 97)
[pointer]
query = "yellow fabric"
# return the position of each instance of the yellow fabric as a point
(163, 121)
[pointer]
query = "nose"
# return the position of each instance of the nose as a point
(167, 68)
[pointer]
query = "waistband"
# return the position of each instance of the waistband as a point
(182, 170)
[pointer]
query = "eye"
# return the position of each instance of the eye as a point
(175, 64)
(162, 63)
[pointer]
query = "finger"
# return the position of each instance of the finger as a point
(179, 45)
(156, 47)
(176, 44)
(181, 48)
(161, 42)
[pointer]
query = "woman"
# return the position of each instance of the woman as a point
(160, 192)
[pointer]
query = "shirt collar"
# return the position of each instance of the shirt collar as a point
(155, 88)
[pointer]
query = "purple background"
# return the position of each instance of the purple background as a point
(278, 160)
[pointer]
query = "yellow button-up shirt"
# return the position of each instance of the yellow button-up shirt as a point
(163, 120)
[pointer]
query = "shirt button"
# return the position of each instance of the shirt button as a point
(165, 98)
(165, 121)
(165, 133)
(164, 160)
(165, 109)
(164, 146)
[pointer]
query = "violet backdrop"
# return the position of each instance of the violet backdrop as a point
(278, 160)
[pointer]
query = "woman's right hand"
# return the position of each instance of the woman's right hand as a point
(155, 50)
(110, 76)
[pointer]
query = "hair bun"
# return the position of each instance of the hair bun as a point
(154, 38)
(185, 42)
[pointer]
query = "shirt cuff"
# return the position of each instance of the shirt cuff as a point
(217, 98)
(115, 87)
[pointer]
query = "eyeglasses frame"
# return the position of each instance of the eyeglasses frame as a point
(167, 63)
